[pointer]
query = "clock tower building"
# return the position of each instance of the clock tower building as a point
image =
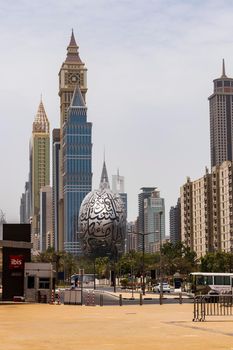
(72, 75)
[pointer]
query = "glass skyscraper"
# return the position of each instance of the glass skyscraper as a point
(77, 165)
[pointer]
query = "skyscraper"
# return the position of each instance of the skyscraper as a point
(118, 186)
(46, 222)
(72, 73)
(118, 183)
(221, 119)
(58, 241)
(40, 158)
(145, 193)
(154, 224)
(175, 223)
(25, 205)
(77, 165)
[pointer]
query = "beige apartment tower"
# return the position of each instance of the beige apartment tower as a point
(206, 211)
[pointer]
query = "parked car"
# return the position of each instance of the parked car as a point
(166, 288)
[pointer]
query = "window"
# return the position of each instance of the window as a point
(44, 283)
(226, 83)
(204, 280)
(31, 282)
(222, 280)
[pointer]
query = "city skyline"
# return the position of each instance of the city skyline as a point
(150, 72)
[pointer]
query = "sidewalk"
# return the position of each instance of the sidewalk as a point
(150, 327)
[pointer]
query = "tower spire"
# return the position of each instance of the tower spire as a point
(223, 69)
(41, 123)
(72, 39)
(72, 50)
(104, 183)
(77, 99)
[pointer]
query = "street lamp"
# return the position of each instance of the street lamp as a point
(161, 265)
(94, 273)
(143, 257)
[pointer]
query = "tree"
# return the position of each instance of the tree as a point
(178, 258)
(217, 262)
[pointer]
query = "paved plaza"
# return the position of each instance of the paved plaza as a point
(66, 327)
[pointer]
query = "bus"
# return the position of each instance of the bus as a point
(87, 279)
(210, 283)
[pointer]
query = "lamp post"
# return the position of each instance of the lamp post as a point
(143, 257)
(94, 274)
(161, 265)
(132, 279)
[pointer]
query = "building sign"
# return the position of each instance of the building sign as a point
(16, 262)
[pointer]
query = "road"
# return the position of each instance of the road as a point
(107, 297)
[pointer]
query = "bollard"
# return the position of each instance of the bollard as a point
(87, 299)
(120, 299)
(140, 299)
(52, 297)
(180, 298)
(101, 300)
(160, 299)
(93, 299)
(39, 296)
(59, 298)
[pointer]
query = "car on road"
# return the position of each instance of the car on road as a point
(166, 288)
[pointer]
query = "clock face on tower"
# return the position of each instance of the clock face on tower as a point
(73, 78)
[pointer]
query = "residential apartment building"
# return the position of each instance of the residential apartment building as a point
(206, 211)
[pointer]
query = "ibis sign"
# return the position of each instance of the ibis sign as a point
(16, 262)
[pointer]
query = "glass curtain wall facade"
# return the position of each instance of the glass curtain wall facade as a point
(77, 163)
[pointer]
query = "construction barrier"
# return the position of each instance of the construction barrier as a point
(73, 297)
(90, 298)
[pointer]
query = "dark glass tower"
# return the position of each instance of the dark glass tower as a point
(77, 165)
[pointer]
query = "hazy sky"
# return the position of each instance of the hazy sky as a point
(150, 70)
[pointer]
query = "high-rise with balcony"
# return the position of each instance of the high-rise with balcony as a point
(221, 119)
(207, 211)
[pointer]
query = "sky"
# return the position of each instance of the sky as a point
(150, 70)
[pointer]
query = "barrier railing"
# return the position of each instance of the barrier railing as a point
(73, 297)
(212, 305)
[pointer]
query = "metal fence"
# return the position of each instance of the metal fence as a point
(212, 305)
(90, 297)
